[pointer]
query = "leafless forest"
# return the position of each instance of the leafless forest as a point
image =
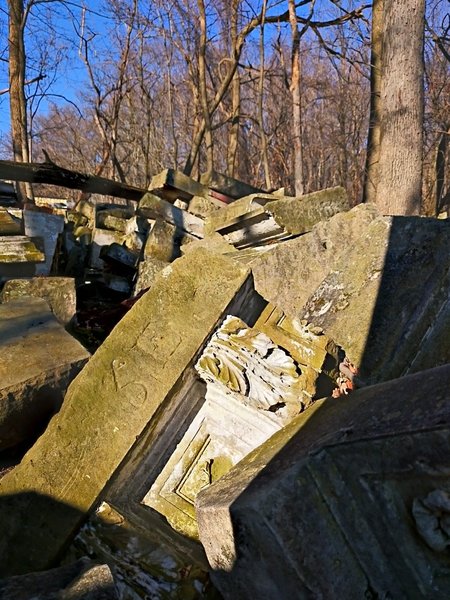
(272, 92)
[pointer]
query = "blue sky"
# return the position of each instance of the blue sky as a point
(51, 31)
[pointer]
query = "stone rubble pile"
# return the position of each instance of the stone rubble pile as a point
(257, 373)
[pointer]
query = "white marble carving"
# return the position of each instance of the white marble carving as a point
(247, 363)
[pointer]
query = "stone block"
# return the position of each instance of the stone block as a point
(101, 238)
(39, 359)
(376, 285)
(175, 184)
(120, 393)
(153, 207)
(83, 579)
(59, 292)
(147, 272)
(19, 256)
(213, 242)
(258, 219)
(346, 501)
(202, 206)
(163, 241)
(228, 185)
(116, 254)
(47, 227)
(9, 225)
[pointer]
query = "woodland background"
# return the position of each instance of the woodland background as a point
(123, 88)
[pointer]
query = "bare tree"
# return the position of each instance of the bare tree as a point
(399, 180)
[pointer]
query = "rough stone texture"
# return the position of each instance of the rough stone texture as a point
(298, 215)
(59, 292)
(213, 243)
(48, 227)
(19, 249)
(228, 185)
(328, 507)
(163, 241)
(101, 238)
(117, 254)
(108, 407)
(378, 286)
(236, 211)
(83, 579)
(176, 184)
(153, 207)
(38, 361)
(9, 225)
(203, 207)
(148, 270)
(262, 218)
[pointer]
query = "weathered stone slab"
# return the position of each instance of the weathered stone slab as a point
(119, 218)
(59, 292)
(139, 367)
(175, 184)
(9, 225)
(378, 286)
(213, 242)
(83, 579)
(19, 248)
(163, 241)
(38, 361)
(118, 254)
(147, 272)
(101, 238)
(19, 255)
(348, 499)
(228, 185)
(202, 206)
(256, 220)
(48, 227)
(153, 207)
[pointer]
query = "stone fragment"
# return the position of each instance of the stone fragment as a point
(101, 238)
(163, 242)
(202, 206)
(19, 256)
(84, 579)
(172, 184)
(119, 218)
(38, 361)
(9, 225)
(378, 286)
(325, 508)
(143, 364)
(47, 227)
(213, 242)
(118, 254)
(153, 207)
(147, 272)
(316, 354)
(59, 292)
(228, 185)
(256, 220)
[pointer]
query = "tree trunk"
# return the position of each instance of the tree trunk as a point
(399, 188)
(296, 101)
(233, 141)
(373, 142)
(17, 100)
(204, 90)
